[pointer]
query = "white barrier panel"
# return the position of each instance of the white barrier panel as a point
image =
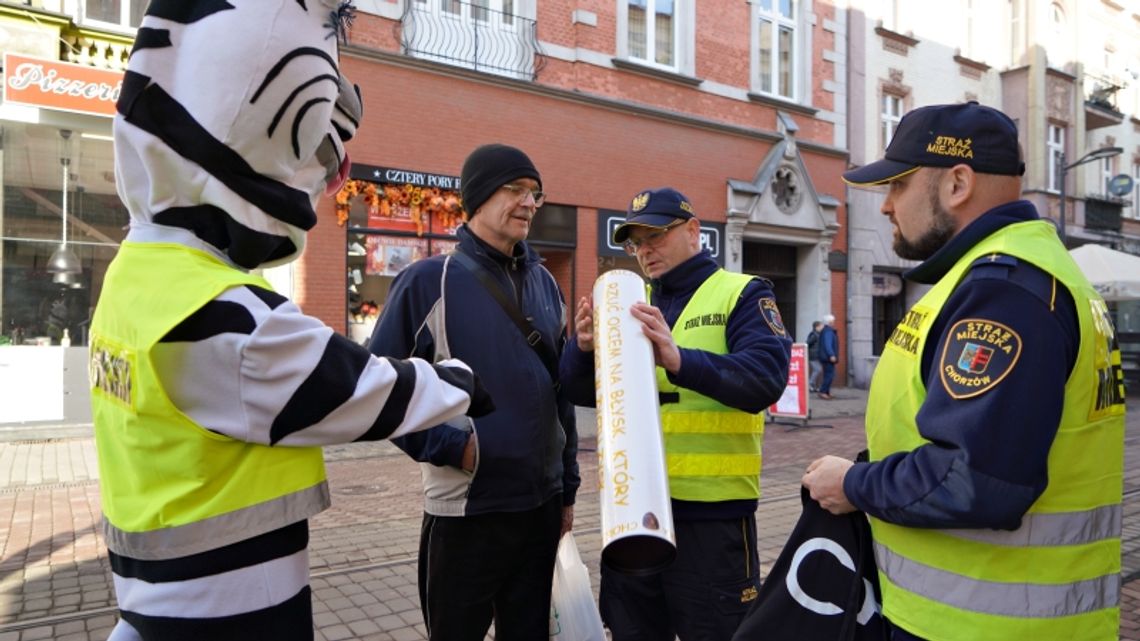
(637, 517)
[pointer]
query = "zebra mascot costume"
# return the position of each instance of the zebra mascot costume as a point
(211, 392)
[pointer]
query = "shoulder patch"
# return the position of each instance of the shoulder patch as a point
(771, 315)
(995, 259)
(977, 355)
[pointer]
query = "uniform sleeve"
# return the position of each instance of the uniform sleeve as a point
(754, 373)
(986, 462)
(401, 332)
(250, 365)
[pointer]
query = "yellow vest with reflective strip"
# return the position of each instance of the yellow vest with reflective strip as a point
(1058, 575)
(170, 487)
(712, 451)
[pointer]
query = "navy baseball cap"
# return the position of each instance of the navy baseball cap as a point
(655, 208)
(970, 134)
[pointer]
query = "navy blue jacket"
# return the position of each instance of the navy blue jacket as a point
(986, 462)
(750, 377)
(527, 448)
(828, 344)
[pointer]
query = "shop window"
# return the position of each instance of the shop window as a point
(52, 176)
(394, 224)
(391, 225)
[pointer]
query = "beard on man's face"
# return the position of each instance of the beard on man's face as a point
(939, 233)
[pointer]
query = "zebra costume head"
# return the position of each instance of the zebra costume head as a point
(232, 121)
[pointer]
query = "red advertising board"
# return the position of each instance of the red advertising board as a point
(793, 403)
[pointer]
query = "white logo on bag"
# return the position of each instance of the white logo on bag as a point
(820, 544)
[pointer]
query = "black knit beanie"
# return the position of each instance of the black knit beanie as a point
(490, 167)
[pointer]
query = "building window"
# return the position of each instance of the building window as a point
(775, 42)
(968, 45)
(1107, 171)
(891, 15)
(1016, 33)
(1056, 148)
(652, 31)
(890, 117)
(124, 13)
(1136, 189)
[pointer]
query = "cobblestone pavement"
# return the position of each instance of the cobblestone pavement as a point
(55, 580)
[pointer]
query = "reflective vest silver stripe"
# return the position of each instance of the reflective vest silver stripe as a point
(215, 532)
(1021, 600)
(1054, 529)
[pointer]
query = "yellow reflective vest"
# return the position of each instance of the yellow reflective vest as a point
(1058, 575)
(712, 451)
(170, 487)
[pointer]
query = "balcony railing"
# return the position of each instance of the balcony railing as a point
(472, 35)
(1103, 212)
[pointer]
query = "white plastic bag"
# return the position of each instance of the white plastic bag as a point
(573, 613)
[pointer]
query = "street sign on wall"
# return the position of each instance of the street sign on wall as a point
(712, 235)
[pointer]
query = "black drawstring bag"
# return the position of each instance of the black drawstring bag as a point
(817, 590)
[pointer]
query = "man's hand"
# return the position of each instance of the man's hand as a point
(584, 324)
(824, 481)
(567, 519)
(653, 325)
(469, 454)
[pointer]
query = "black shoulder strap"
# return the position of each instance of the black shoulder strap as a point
(533, 336)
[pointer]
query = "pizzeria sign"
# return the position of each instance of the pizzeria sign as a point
(64, 86)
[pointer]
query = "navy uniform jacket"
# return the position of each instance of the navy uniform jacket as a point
(986, 462)
(750, 377)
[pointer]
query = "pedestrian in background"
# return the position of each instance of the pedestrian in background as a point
(722, 357)
(498, 491)
(828, 355)
(815, 367)
(995, 419)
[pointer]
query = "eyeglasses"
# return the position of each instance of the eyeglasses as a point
(652, 239)
(520, 192)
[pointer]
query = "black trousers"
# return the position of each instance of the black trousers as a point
(702, 596)
(473, 569)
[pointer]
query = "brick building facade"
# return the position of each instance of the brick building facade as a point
(738, 105)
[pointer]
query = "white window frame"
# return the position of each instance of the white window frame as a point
(890, 13)
(1107, 171)
(767, 11)
(1136, 189)
(1016, 31)
(124, 22)
(684, 35)
(1055, 144)
(890, 114)
(969, 14)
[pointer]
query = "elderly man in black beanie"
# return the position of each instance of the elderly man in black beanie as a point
(498, 491)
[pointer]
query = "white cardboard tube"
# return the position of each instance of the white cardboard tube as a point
(637, 516)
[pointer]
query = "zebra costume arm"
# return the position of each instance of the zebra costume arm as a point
(252, 366)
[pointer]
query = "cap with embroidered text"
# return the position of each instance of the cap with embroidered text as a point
(980, 137)
(655, 208)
